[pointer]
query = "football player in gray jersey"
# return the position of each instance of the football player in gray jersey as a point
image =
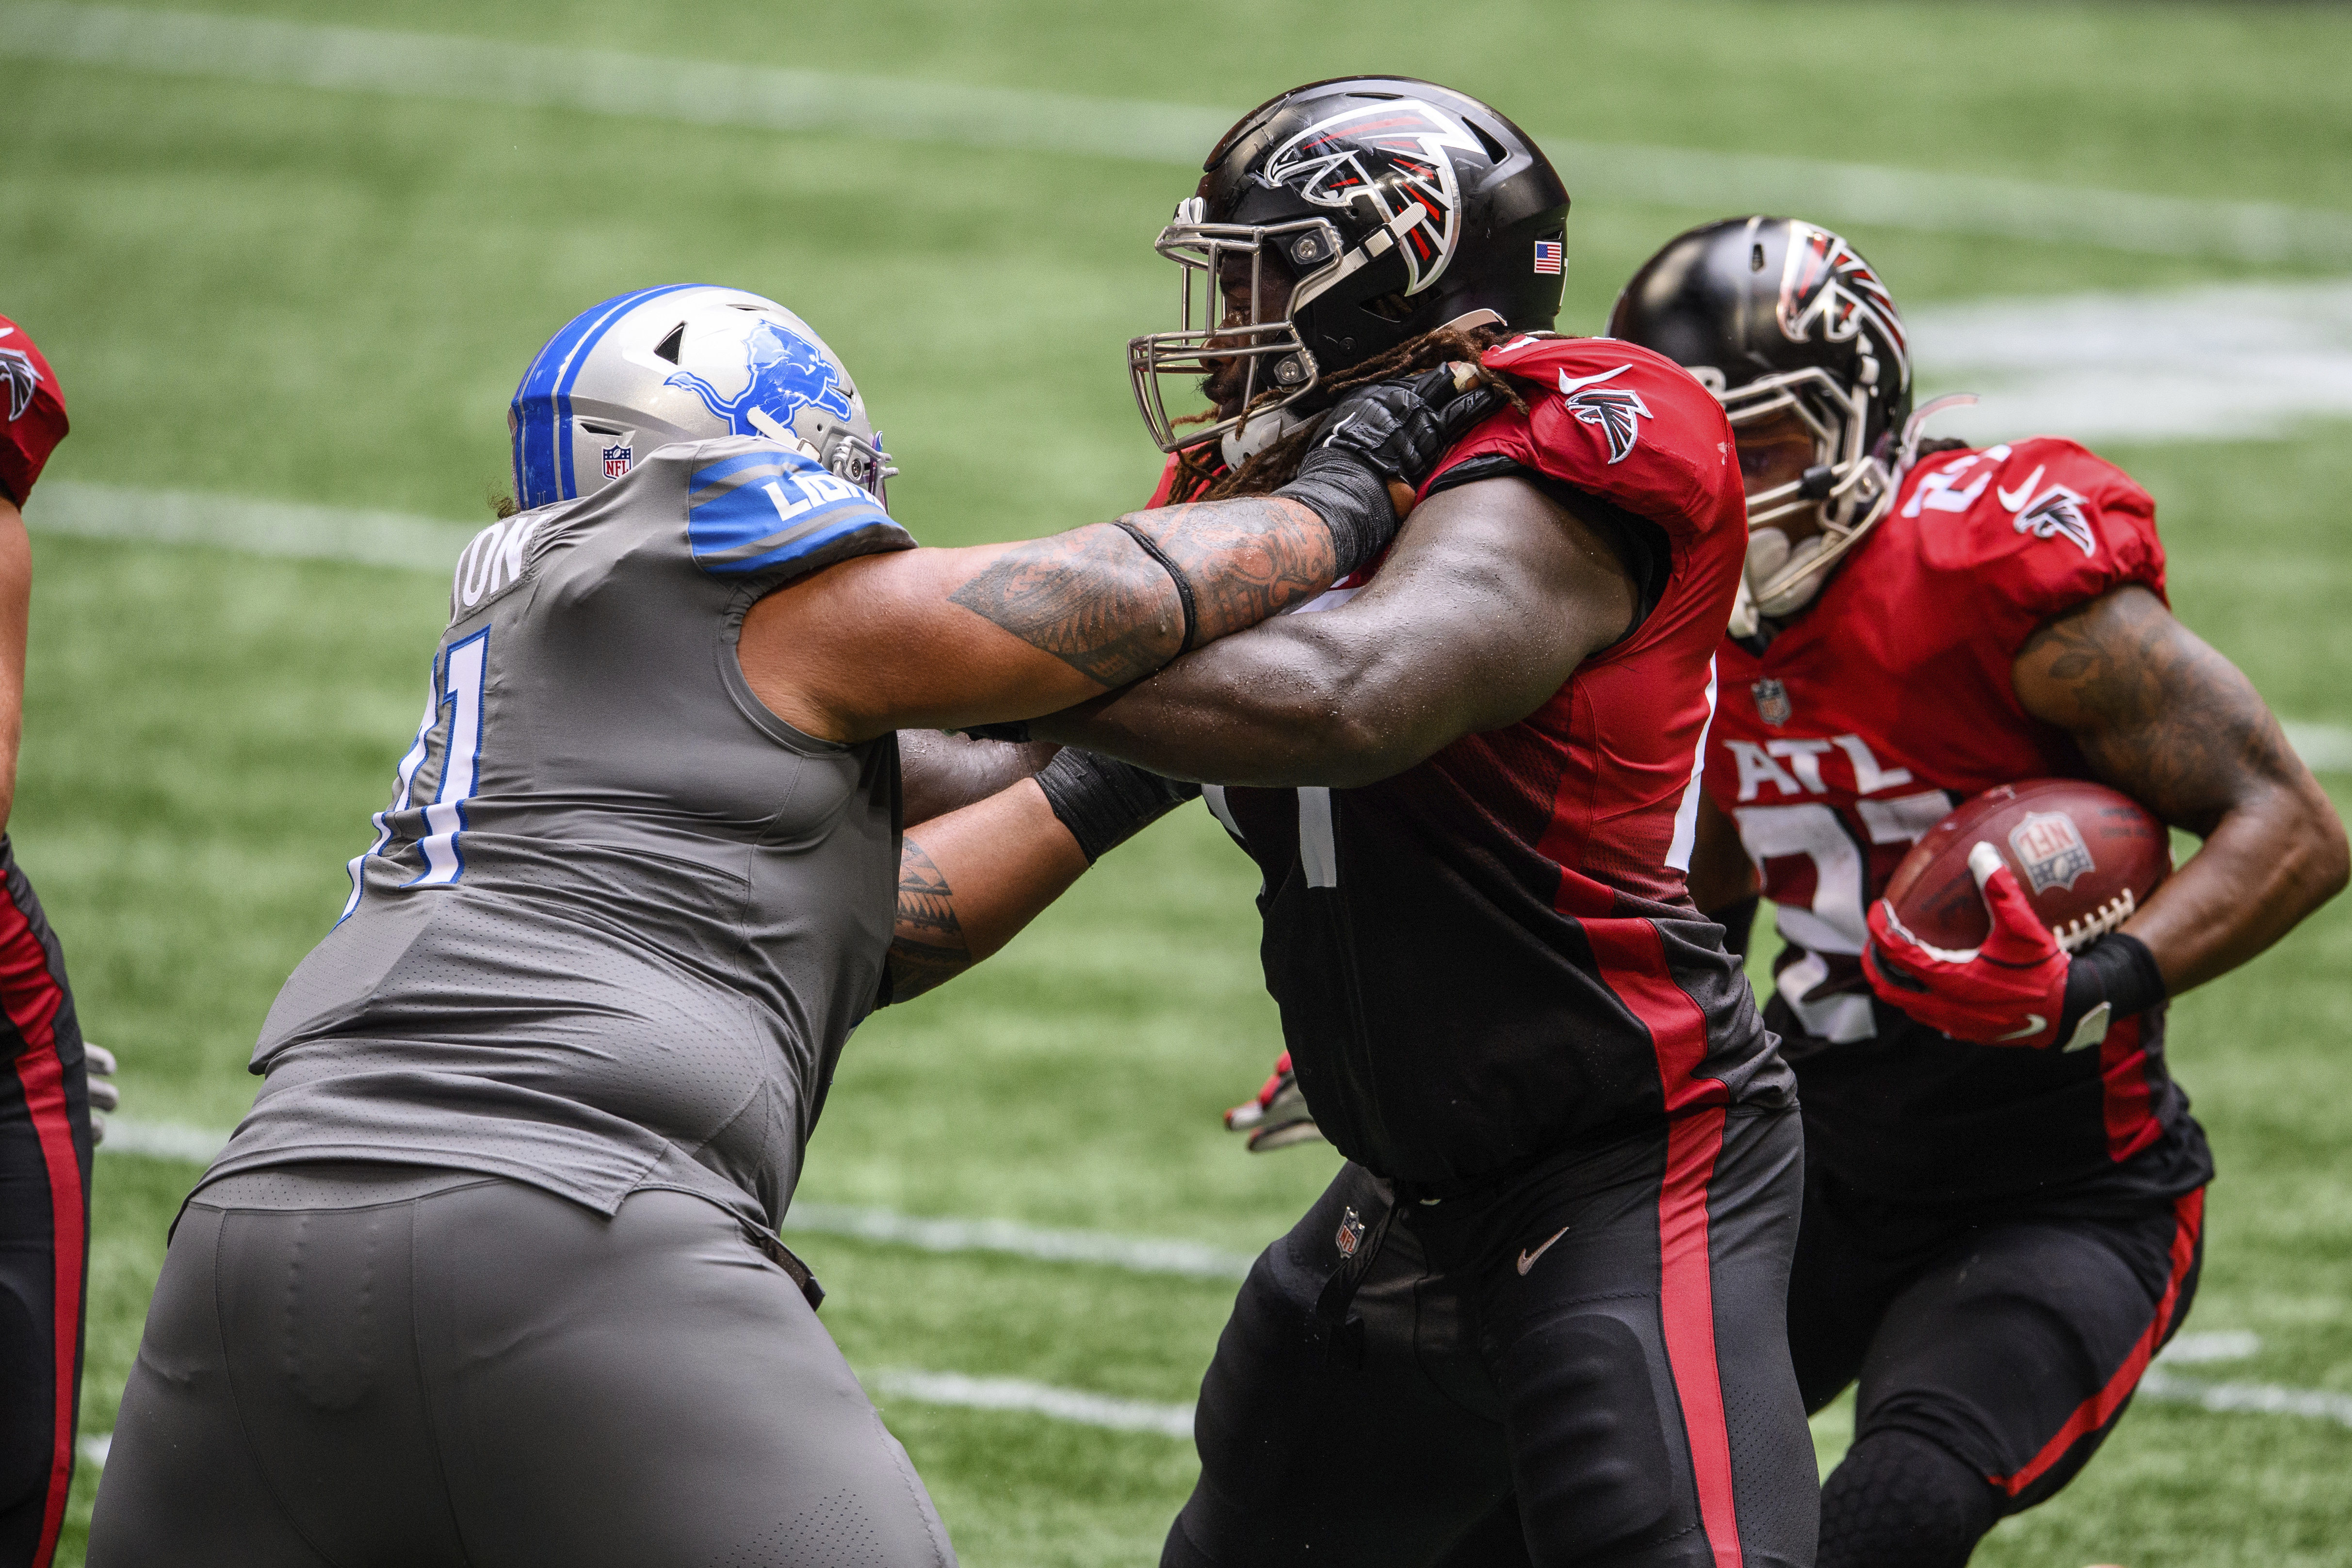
(489, 1274)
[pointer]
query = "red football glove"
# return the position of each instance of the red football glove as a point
(2010, 992)
(1279, 1117)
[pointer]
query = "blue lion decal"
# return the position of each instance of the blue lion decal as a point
(787, 374)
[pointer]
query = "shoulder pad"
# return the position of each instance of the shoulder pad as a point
(753, 505)
(2041, 523)
(1620, 421)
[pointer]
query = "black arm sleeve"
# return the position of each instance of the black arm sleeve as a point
(1738, 923)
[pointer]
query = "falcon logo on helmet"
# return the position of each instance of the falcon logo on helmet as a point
(17, 372)
(2057, 512)
(1616, 411)
(1398, 153)
(1824, 284)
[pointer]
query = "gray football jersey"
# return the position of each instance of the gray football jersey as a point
(618, 918)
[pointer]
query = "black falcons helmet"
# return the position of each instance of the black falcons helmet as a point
(1398, 205)
(1774, 315)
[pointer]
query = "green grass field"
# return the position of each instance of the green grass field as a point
(323, 297)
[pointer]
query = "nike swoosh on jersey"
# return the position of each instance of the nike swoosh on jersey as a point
(2036, 1027)
(2015, 499)
(1528, 1258)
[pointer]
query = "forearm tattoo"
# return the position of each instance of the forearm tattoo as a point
(1097, 601)
(927, 946)
(2156, 711)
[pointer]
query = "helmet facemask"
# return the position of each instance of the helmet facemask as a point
(1846, 489)
(1279, 370)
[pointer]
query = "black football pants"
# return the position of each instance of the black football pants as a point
(44, 1225)
(2010, 1340)
(1591, 1360)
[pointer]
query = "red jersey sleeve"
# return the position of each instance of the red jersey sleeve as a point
(2035, 528)
(1618, 422)
(31, 412)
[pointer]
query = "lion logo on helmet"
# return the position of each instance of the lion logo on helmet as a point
(785, 373)
(1399, 154)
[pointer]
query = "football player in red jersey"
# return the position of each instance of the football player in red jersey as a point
(1547, 1293)
(45, 1097)
(2004, 1187)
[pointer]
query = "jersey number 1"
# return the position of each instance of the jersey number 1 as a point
(457, 688)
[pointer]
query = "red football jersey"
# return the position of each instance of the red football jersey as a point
(31, 412)
(1862, 722)
(1493, 952)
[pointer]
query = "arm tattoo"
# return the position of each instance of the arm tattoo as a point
(927, 948)
(1095, 600)
(2155, 712)
(1091, 598)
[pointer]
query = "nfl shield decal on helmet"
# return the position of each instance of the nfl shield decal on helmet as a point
(1772, 701)
(1616, 411)
(1397, 153)
(1351, 1235)
(616, 460)
(2057, 513)
(2051, 848)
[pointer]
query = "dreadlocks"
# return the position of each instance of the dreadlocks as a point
(1275, 466)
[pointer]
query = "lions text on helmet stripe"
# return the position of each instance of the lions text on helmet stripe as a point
(683, 363)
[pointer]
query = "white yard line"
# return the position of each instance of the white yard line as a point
(1033, 1398)
(766, 98)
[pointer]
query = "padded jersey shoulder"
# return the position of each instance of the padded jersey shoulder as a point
(1619, 422)
(2032, 528)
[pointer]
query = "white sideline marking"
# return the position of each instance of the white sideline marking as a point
(766, 98)
(2195, 1349)
(244, 523)
(1034, 1398)
(2323, 747)
(2257, 1398)
(95, 1445)
(2218, 362)
(1136, 1254)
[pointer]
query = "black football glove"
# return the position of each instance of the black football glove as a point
(1389, 430)
(97, 1066)
(1279, 1117)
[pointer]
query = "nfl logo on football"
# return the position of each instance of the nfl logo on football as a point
(2050, 849)
(1771, 701)
(616, 461)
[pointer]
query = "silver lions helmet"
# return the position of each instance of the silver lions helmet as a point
(685, 361)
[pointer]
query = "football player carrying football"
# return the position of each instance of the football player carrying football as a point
(46, 1099)
(1547, 1293)
(489, 1272)
(2004, 1187)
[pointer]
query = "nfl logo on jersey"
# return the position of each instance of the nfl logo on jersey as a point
(616, 461)
(2050, 849)
(1771, 701)
(1351, 1235)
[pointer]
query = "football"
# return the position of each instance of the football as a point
(2086, 856)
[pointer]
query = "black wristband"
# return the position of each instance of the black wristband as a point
(1352, 499)
(1183, 583)
(2117, 973)
(1738, 921)
(1105, 802)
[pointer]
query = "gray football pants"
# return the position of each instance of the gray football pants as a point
(375, 1368)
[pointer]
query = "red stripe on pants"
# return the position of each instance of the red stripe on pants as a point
(2189, 1218)
(31, 997)
(1632, 960)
